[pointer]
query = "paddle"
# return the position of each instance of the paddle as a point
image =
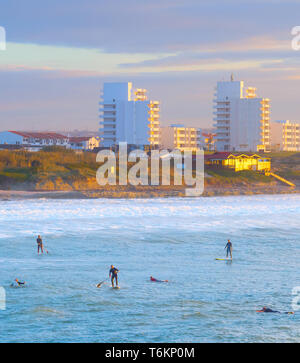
(101, 283)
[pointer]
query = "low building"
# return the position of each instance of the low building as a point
(84, 143)
(181, 138)
(238, 162)
(33, 140)
(285, 136)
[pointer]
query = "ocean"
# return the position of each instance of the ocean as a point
(174, 239)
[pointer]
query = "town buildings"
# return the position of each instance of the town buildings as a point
(35, 141)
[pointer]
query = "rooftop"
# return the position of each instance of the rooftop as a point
(39, 135)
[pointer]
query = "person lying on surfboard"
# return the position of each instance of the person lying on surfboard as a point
(268, 310)
(17, 283)
(155, 280)
(228, 249)
(113, 274)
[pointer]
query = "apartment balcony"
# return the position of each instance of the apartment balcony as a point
(107, 136)
(154, 122)
(222, 139)
(221, 109)
(108, 130)
(103, 103)
(155, 113)
(108, 126)
(154, 108)
(109, 119)
(221, 120)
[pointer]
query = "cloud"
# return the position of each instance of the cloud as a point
(19, 56)
(259, 52)
(60, 52)
(143, 26)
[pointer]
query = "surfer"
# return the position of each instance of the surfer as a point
(228, 249)
(40, 245)
(113, 274)
(155, 280)
(18, 283)
(268, 310)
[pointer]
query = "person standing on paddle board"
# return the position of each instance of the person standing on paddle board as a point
(113, 274)
(228, 249)
(40, 245)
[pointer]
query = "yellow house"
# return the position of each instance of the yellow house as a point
(239, 162)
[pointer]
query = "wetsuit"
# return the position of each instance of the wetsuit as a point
(268, 310)
(155, 280)
(17, 284)
(114, 275)
(40, 245)
(228, 248)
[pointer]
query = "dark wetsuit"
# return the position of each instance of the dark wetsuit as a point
(17, 284)
(268, 310)
(114, 275)
(40, 245)
(155, 280)
(228, 248)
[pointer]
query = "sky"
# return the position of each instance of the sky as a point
(59, 53)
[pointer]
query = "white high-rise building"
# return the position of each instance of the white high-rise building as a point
(242, 119)
(126, 115)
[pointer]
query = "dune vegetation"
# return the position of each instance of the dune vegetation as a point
(58, 169)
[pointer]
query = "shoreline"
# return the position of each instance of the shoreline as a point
(12, 195)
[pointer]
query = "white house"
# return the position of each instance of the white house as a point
(84, 143)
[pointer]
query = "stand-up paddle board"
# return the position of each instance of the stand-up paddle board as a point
(223, 259)
(116, 288)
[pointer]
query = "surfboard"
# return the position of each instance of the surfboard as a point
(116, 288)
(223, 259)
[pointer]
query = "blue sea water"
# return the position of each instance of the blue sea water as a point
(175, 239)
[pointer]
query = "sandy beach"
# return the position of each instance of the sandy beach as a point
(145, 192)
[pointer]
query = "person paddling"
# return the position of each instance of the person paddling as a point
(113, 274)
(155, 280)
(40, 244)
(18, 283)
(268, 310)
(228, 249)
